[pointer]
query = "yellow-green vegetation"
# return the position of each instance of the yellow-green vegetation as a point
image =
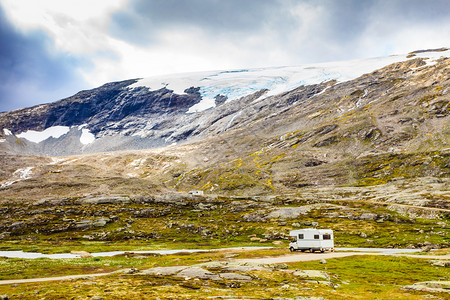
(355, 277)
(15, 268)
(376, 170)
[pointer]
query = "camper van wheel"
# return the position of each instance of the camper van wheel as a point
(292, 249)
(311, 250)
(322, 251)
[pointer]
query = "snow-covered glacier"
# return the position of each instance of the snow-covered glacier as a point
(235, 84)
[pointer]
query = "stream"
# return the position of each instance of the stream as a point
(32, 255)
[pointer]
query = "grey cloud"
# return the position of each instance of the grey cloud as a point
(141, 22)
(337, 33)
(32, 71)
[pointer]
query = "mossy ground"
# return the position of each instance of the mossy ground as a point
(218, 223)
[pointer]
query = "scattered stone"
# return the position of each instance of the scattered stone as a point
(323, 261)
(278, 242)
(4, 297)
(363, 235)
(97, 298)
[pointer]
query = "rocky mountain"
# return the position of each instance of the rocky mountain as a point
(261, 130)
(155, 112)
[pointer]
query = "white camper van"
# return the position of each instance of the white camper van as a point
(312, 240)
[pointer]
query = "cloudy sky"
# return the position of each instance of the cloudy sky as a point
(51, 49)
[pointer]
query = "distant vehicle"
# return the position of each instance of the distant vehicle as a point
(312, 239)
(196, 193)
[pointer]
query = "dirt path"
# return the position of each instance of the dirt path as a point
(295, 257)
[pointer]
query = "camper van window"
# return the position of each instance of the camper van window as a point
(316, 236)
(300, 236)
(326, 236)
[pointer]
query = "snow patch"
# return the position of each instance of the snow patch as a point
(39, 136)
(68, 162)
(204, 104)
(20, 174)
(7, 131)
(86, 136)
(138, 162)
(8, 183)
(23, 173)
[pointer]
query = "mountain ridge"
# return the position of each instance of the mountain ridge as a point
(131, 115)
